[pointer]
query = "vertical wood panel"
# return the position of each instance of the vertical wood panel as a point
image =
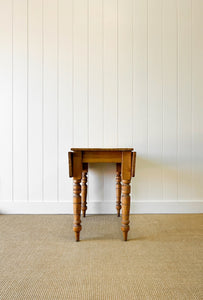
(184, 101)
(125, 25)
(65, 96)
(50, 107)
(20, 100)
(170, 142)
(95, 73)
(110, 72)
(155, 105)
(197, 96)
(80, 76)
(95, 34)
(140, 98)
(6, 100)
(35, 100)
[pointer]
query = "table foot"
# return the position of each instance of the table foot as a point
(125, 235)
(77, 236)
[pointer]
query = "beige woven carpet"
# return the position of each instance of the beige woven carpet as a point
(39, 258)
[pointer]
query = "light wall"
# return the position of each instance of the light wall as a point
(101, 73)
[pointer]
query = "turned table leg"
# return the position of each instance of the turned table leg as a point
(125, 208)
(76, 208)
(118, 188)
(84, 190)
(126, 170)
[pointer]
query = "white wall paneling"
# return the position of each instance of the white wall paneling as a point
(184, 132)
(170, 100)
(125, 63)
(197, 99)
(155, 99)
(80, 73)
(50, 100)
(6, 101)
(101, 73)
(35, 101)
(110, 56)
(65, 93)
(20, 96)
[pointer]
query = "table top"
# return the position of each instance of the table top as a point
(102, 149)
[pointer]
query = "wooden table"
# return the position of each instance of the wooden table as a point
(78, 169)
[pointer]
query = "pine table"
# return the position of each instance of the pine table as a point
(124, 158)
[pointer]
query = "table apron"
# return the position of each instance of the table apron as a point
(101, 157)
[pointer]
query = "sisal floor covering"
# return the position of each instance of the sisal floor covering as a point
(39, 258)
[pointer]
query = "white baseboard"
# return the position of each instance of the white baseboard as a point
(139, 207)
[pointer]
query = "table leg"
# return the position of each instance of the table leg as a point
(125, 208)
(118, 188)
(84, 189)
(77, 208)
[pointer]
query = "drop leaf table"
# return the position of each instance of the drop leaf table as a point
(78, 169)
